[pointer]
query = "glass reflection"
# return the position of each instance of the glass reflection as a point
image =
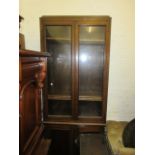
(83, 57)
(91, 56)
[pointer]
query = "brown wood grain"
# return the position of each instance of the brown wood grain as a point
(32, 71)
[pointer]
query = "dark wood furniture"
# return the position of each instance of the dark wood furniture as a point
(65, 139)
(32, 72)
(21, 36)
(77, 81)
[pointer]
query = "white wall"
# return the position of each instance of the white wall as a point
(121, 95)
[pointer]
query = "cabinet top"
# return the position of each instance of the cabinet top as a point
(68, 17)
(74, 16)
(30, 53)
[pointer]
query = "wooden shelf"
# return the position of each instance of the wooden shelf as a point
(92, 42)
(63, 40)
(59, 97)
(71, 121)
(84, 41)
(90, 98)
(60, 116)
(81, 98)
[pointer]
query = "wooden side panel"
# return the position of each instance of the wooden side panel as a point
(32, 74)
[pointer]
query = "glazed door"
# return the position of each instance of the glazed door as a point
(59, 45)
(91, 50)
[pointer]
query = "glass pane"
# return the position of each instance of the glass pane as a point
(56, 107)
(91, 52)
(58, 44)
(90, 108)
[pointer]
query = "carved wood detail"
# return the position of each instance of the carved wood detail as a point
(40, 77)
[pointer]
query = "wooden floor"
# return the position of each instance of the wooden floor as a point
(94, 144)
